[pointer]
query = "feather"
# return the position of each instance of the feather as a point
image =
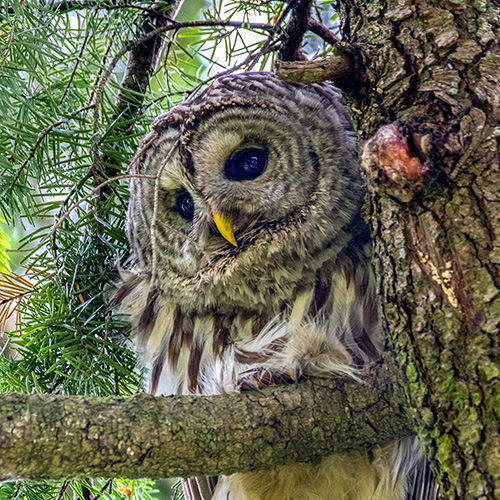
(422, 484)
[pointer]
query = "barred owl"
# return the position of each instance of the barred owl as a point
(252, 266)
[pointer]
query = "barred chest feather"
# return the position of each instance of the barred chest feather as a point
(330, 326)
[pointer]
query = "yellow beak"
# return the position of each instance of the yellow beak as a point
(225, 226)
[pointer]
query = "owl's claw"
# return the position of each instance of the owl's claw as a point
(295, 374)
(260, 380)
(251, 385)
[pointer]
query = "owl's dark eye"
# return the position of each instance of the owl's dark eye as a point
(184, 204)
(246, 165)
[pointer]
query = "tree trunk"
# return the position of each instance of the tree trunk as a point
(431, 113)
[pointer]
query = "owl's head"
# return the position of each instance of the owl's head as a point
(246, 190)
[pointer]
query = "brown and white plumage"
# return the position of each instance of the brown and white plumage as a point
(296, 294)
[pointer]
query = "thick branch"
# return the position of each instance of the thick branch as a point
(44, 436)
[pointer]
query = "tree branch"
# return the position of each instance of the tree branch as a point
(292, 65)
(339, 68)
(323, 32)
(140, 66)
(43, 436)
(291, 47)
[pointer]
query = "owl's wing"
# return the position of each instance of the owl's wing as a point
(199, 488)
(422, 484)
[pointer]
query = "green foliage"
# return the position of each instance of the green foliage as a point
(55, 157)
(79, 489)
(52, 63)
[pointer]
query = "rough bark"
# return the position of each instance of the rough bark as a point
(431, 114)
(44, 436)
(291, 46)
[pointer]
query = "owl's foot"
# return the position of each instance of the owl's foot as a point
(260, 379)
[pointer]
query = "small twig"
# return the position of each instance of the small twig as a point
(16, 297)
(65, 6)
(249, 62)
(78, 60)
(234, 24)
(12, 34)
(323, 32)
(101, 69)
(72, 191)
(18, 250)
(147, 10)
(92, 193)
(107, 485)
(63, 489)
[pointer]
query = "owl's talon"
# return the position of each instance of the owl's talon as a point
(251, 385)
(295, 374)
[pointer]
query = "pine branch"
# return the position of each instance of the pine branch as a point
(44, 436)
(13, 288)
(141, 64)
(41, 138)
(64, 6)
